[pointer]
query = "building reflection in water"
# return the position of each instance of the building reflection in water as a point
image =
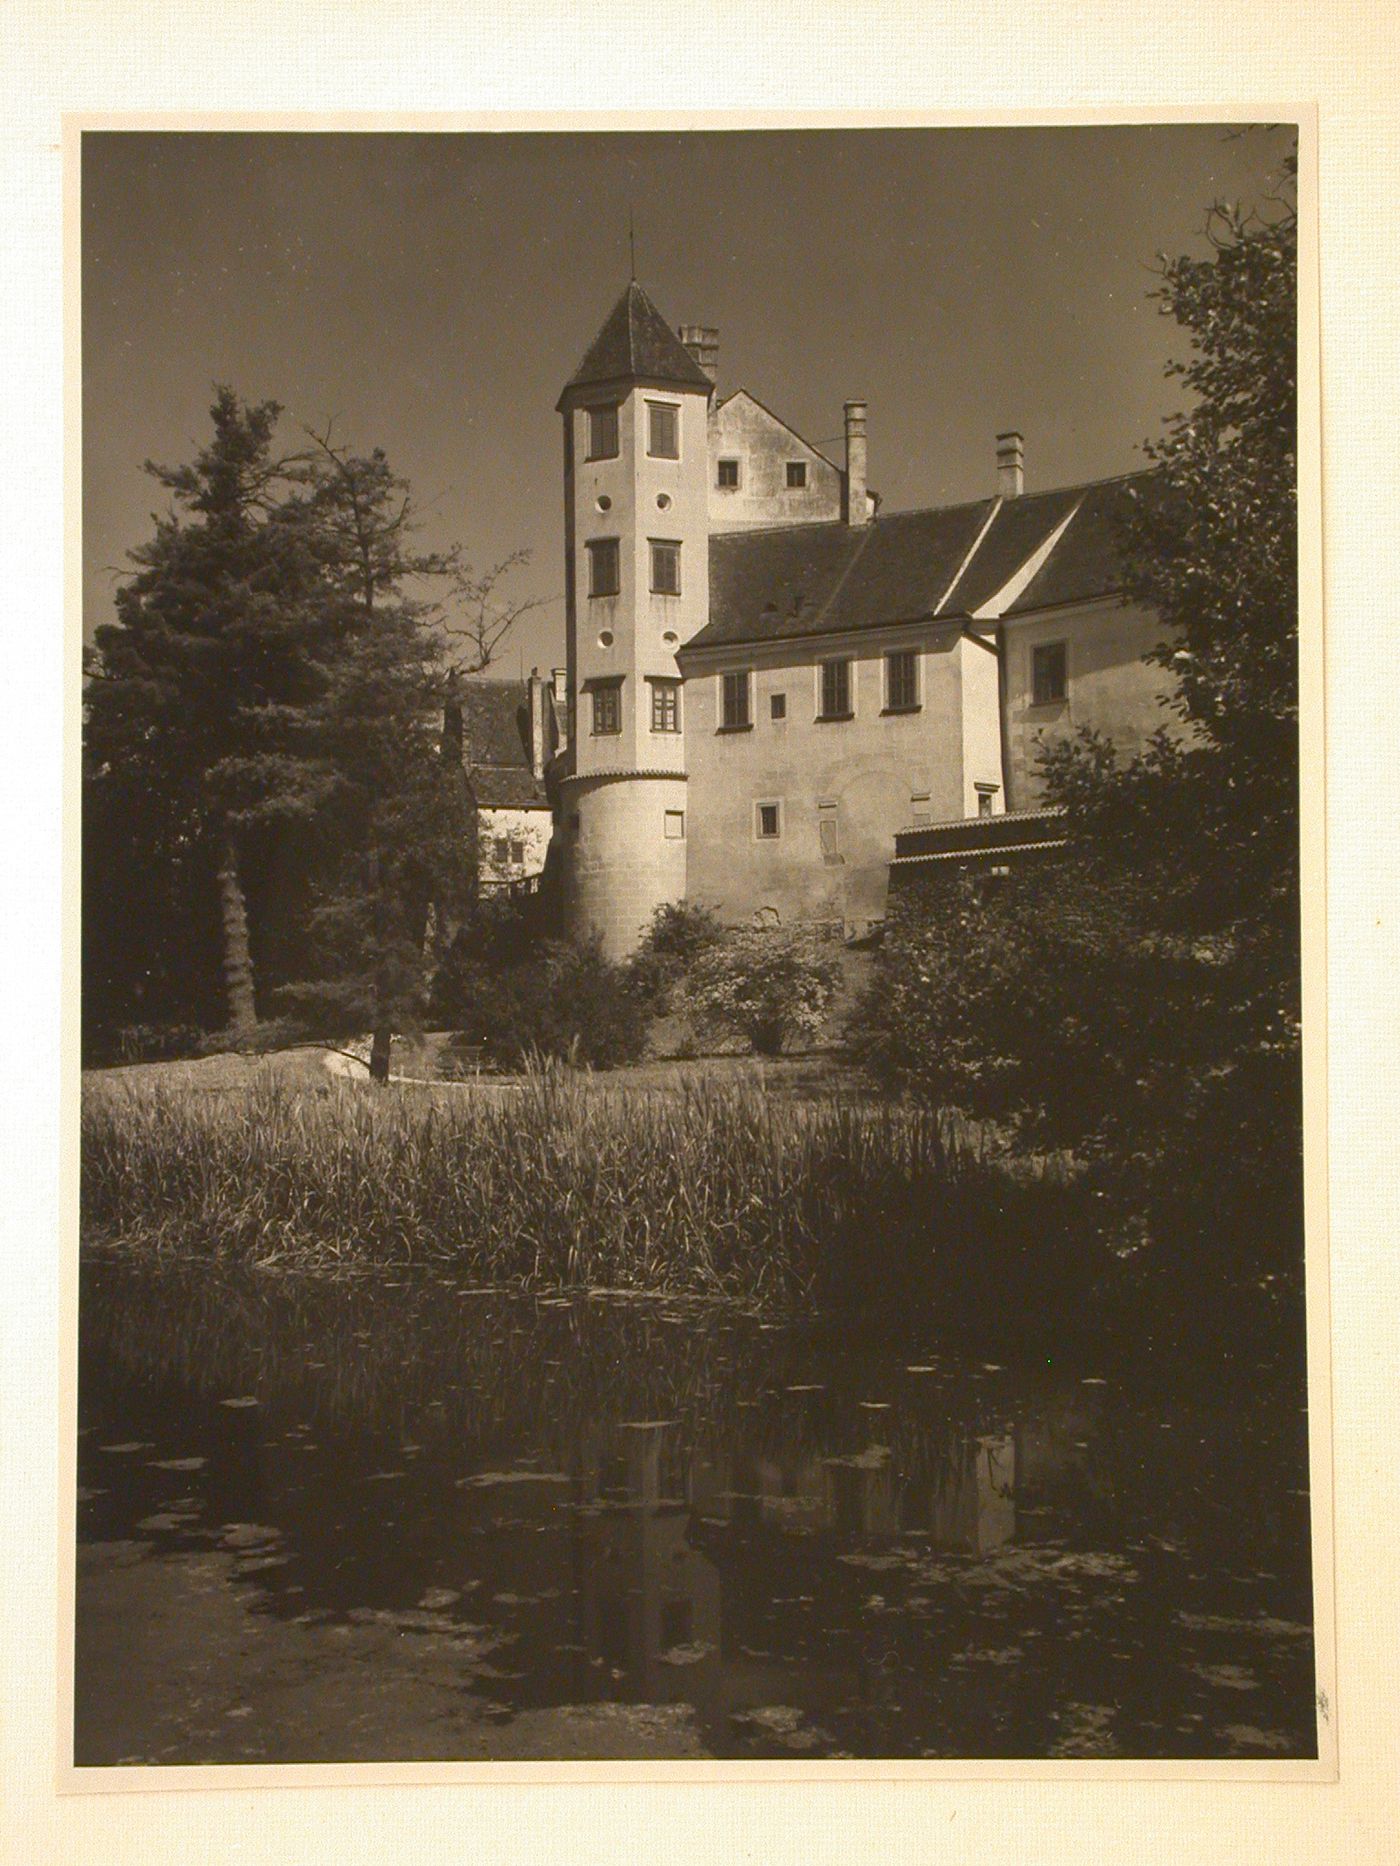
(680, 1554)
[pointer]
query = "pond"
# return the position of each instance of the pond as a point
(409, 1520)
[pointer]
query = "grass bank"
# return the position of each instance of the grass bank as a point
(716, 1190)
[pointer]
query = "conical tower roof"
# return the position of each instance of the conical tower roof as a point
(636, 344)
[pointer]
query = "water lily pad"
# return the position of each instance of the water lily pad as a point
(488, 1480)
(177, 1464)
(122, 1451)
(245, 1399)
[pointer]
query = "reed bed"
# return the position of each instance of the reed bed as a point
(717, 1190)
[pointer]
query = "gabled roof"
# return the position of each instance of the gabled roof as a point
(748, 395)
(636, 344)
(496, 745)
(1085, 563)
(797, 580)
(792, 581)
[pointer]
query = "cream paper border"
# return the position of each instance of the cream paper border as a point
(1051, 1809)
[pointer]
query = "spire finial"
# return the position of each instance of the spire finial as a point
(632, 243)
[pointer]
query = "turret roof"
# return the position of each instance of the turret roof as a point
(636, 344)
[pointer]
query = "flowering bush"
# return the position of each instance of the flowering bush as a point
(762, 984)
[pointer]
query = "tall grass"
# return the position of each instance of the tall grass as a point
(718, 1191)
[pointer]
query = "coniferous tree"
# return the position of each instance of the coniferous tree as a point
(219, 640)
(382, 770)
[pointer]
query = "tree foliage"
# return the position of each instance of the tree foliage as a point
(763, 984)
(273, 746)
(1139, 1002)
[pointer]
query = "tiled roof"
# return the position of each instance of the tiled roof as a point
(496, 744)
(797, 580)
(636, 344)
(1018, 528)
(1085, 562)
(800, 580)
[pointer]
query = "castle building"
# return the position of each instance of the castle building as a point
(769, 679)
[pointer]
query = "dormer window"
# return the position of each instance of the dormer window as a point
(796, 475)
(602, 433)
(663, 431)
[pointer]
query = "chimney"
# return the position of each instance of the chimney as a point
(538, 742)
(1011, 465)
(857, 504)
(702, 341)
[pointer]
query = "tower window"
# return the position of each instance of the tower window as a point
(665, 567)
(727, 475)
(665, 706)
(607, 709)
(1048, 681)
(602, 433)
(920, 807)
(663, 431)
(796, 475)
(902, 681)
(768, 821)
(777, 706)
(603, 567)
(734, 707)
(675, 825)
(835, 690)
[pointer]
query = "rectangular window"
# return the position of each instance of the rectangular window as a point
(777, 705)
(727, 475)
(796, 474)
(836, 690)
(665, 706)
(607, 709)
(984, 803)
(663, 431)
(734, 712)
(675, 825)
(1048, 681)
(902, 681)
(602, 433)
(665, 567)
(919, 810)
(517, 850)
(767, 821)
(500, 849)
(603, 567)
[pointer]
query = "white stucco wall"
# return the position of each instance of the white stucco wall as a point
(742, 429)
(864, 773)
(531, 828)
(1109, 686)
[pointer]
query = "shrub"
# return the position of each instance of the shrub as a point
(564, 1001)
(679, 932)
(764, 984)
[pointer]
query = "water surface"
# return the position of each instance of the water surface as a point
(409, 1520)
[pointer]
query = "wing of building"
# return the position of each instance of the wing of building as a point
(510, 732)
(769, 678)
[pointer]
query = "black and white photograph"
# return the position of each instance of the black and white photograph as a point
(692, 1107)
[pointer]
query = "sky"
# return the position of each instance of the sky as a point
(433, 292)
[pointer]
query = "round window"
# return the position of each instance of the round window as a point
(670, 637)
(605, 640)
(604, 502)
(663, 501)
